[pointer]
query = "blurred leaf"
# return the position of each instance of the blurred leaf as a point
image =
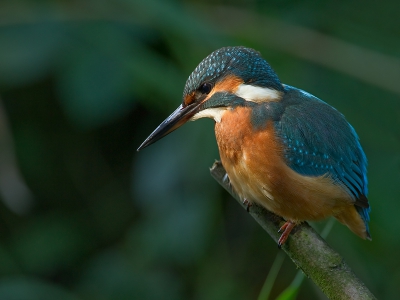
(8, 265)
(273, 273)
(216, 278)
(158, 88)
(289, 294)
(49, 242)
(173, 18)
(178, 236)
(178, 208)
(32, 289)
(28, 51)
(110, 275)
(94, 83)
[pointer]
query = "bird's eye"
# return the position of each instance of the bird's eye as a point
(205, 88)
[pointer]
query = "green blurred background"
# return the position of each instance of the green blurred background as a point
(82, 84)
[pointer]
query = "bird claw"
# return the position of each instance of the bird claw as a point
(284, 226)
(226, 180)
(248, 204)
(286, 229)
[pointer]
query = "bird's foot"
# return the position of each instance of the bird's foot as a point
(226, 180)
(286, 229)
(248, 204)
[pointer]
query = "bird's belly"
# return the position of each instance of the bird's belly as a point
(258, 173)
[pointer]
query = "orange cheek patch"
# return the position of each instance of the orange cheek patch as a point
(189, 99)
(229, 84)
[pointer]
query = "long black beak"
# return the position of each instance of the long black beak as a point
(179, 117)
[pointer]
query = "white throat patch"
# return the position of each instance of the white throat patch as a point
(257, 94)
(215, 113)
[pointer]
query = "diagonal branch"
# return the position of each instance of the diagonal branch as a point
(308, 251)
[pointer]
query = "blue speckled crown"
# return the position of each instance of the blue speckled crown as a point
(242, 62)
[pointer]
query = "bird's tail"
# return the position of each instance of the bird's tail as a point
(356, 218)
(364, 214)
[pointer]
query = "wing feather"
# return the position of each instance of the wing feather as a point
(319, 141)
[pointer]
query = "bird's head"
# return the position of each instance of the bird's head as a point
(228, 77)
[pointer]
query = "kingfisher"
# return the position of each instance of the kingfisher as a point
(281, 147)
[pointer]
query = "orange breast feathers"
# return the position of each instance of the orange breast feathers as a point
(255, 164)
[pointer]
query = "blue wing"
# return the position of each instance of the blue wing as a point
(320, 141)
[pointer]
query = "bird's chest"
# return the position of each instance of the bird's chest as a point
(255, 164)
(251, 157)
(233, 134)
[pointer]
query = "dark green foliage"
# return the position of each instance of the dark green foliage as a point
(83, 83)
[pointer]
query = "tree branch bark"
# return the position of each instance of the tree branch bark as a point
(307, 250)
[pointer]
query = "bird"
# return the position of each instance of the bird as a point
(282, 148)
